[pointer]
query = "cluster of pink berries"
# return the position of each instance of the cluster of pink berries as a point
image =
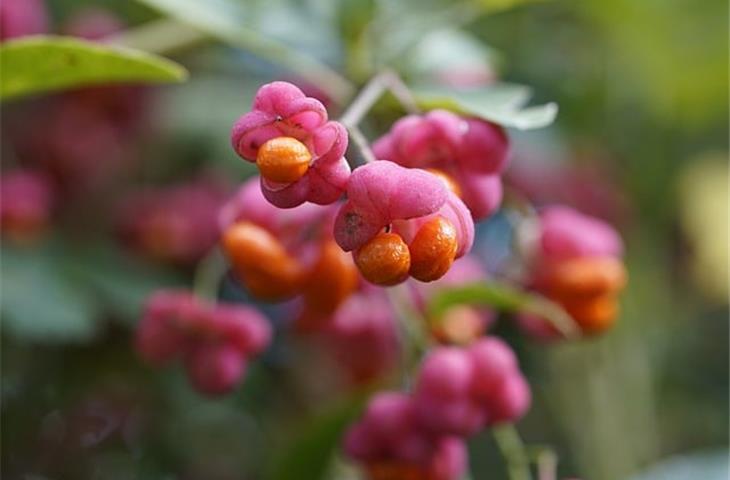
(175, 223)
(576, 261)
(398, 220)
(215, 342)
(470, 152)
(457, 393)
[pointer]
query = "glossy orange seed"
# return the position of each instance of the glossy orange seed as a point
(261, 262)
(593, 314)
(585, 276)
(283, 159)
(384, 260)
(331, 280)
(433, 249)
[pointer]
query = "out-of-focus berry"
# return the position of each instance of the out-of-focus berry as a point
(175, 224)
(390, 444)
(460, 391)
(362, 336)
(282, 253)
(215, 341)
(19, 18)
(26, 199)
(575, 260)
(214, 369)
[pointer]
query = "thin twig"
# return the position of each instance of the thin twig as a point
(400, 91)
(513, 451)
(208, 273)
(362, 143)
(364, 101)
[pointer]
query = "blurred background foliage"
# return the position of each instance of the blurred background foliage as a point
(643, 93)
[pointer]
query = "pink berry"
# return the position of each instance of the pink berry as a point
(363, 336)
(19, 18)
(414, 447)
(450, 460)
(471, 151)
(566, 233)
(389, 414)
(215, 369)
(159, 340)
(493, 360)
(244, 327)
(457, 416)
(26, 199)
(511, 399)
(360, 443)
(175, 224)
(446, 373)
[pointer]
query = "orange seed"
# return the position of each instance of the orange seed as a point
(283, 159)
(433, 249)
(384, 260)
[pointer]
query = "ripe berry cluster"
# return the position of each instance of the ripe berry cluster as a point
(576, 261)
(215, 342)
(457, 393)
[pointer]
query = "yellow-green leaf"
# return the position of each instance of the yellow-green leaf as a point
(40, 64)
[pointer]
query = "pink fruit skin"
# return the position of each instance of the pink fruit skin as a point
(474, 152)
(281, 109)
(215, 369)
(19, 18)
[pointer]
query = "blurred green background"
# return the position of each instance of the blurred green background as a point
(642, 87)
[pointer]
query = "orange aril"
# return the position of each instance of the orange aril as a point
(433, 249)
(585, 276)
(262, 262)
(447, 179)
(593, 314)
(283, 159)
(384, 260)
(331, 279)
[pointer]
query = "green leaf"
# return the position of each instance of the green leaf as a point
(47, 63)
(502, 104)
(308, 456)
(122, 282)
(225, 21)
(39, 303)
(504, 298)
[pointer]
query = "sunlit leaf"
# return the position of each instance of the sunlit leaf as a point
(502, 104)
(504, 298)
(46, 63)
(224, 20)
